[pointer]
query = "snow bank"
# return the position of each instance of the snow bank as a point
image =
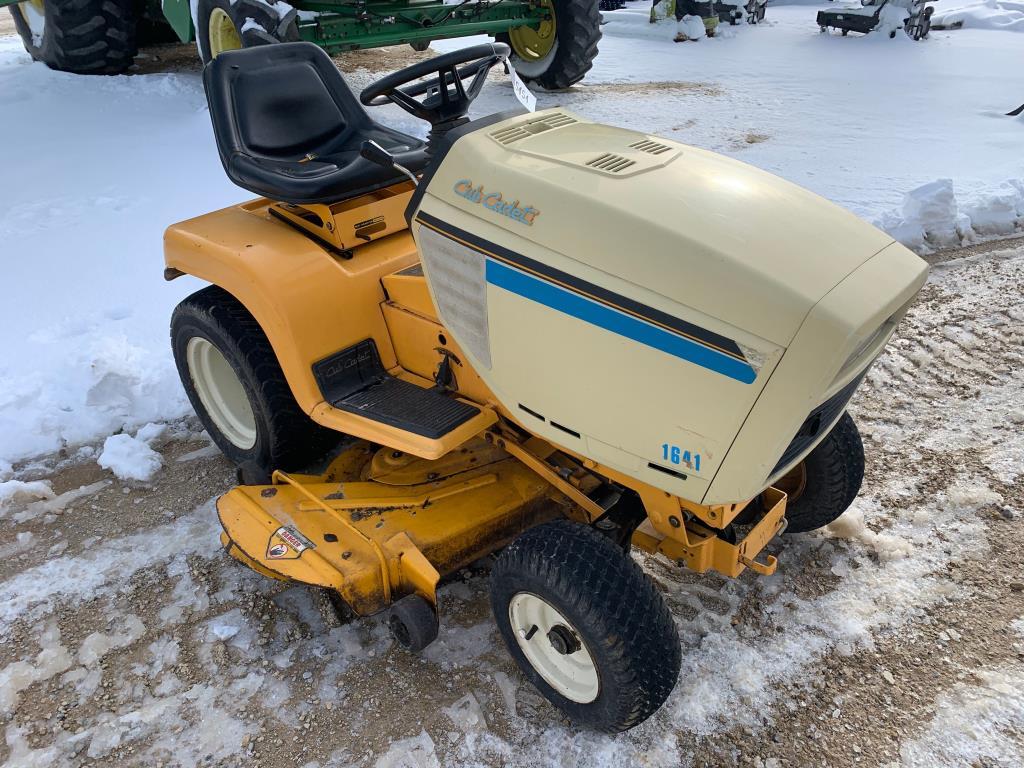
(1005, 15)
(931, 216)
(86, 352)
(15, 491)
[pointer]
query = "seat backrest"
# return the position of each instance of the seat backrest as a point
(280, 102)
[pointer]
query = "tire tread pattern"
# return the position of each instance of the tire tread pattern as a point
(835, 470)
(613, 600)
(578, 31)
(294, 439)
(90, 37)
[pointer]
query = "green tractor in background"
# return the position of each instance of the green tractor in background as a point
(553, 42)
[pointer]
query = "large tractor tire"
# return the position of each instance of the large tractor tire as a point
(237, 388)
(561, 50)
(223, 25)
(585, 625)
(87, 37)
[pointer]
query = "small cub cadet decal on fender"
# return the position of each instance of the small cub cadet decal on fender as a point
(495, 201)
(287, 544)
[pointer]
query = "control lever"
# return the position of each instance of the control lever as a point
(376, 154)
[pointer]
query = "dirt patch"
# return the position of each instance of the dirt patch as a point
(7, 24)
(183, 57)
(650, 89)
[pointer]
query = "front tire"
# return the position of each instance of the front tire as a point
(585, 625)
(87, 37)
(560, 51)
(831, 478)
(237, 388)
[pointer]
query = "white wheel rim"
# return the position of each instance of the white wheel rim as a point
(573, 674)
(221, 392)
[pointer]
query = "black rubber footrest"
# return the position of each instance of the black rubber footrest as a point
(354, 380)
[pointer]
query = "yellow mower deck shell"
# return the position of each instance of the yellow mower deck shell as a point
(395, 532)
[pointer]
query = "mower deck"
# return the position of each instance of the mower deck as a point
(379, 524)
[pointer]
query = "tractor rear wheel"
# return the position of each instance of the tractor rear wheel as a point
(560, 50)
(226, 25)
(87, 37)
(585, 625)
(238, 390)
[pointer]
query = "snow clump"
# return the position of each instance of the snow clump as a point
(132, 458)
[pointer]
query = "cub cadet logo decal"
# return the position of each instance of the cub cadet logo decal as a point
(495, 202)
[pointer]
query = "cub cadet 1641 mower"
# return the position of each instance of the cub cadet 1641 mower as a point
(542, 335)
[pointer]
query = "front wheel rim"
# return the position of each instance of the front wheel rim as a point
(554, 648)
(222, 33)
(221, 392)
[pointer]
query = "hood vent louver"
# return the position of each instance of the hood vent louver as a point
(523, 130)
(611, 163)
(651, 147)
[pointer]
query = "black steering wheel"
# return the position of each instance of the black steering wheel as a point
(448, 98)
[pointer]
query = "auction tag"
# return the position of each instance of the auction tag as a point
(526, 98)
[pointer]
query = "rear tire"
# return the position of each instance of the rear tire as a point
(253, 418)
(608, 653)
(577, 32)
(87, 37)
(834, 472)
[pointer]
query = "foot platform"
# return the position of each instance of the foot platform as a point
(424, 422)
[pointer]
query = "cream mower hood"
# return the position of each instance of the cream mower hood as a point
(656, 213)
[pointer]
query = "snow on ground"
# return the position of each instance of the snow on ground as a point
(1005, 15)
(974, 724)
(109, 162)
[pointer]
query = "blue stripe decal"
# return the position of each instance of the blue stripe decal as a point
(569, 303)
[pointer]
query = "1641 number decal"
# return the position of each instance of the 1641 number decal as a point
(676, 455)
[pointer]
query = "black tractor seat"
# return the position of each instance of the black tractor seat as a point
(288, 127)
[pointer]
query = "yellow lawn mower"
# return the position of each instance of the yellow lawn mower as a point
(530, 335)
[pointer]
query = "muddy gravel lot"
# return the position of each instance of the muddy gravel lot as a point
(894, 637)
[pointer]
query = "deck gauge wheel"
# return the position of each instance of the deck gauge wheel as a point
(413, 623)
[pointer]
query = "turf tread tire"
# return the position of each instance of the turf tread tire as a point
(619, 613)
(287, 438)
(578, 31)
(86, 37)
(835, 470)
